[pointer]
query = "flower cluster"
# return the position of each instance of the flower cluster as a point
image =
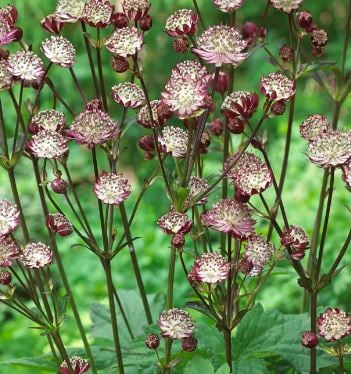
(9, 217)
(124, 42)
(69, 10)
(240, 104)
(286, 6)
(112, 188)
(276, 86)
(314, 127)
(175, 223)
(334, 324)
(258, 252)
(9, 250)
(58, 223)
(174, 140)
(8, 31)
(228, 6)
(98, 13)
(128, 94)
(36, 255)
(59, 50)
(296, 238)
(176, 324)
(51, 120)
(182, 22)
(79, 365)
(47, 144)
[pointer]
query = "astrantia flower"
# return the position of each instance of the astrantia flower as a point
(93, 127)
(286, 6)
(79, 365)
(5, 75)
(258, 250)
(135, 10)
(309, 339)
(8, 32)
(98, 13)
(58, 223)
(47, 120)
(221, 45)
(296, 237)
(8, 251)
(69, 10)
(52, 24)
(174, 223)
(124, 42)
(128, 94)
(143, 117)
(48, 144)
(228, 5)
(176, 324)
(276, 86)
(314, 126)
(112, 188)
(36, 255)
(211, 268)
(240, 104)
(9, 217)
(174, 140)
(59, 51)
(192, 70)
(197, 186)
(231, 217)
(26, 66)
(10, 13)
(182, 22)
(331, 149)
(334, 324)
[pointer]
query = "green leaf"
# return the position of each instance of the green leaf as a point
(224, 369)
(44, 363)
(199, 365)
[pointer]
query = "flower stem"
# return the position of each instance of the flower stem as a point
(313, 312)
(228, 348)
(101, 74)
(341, 358)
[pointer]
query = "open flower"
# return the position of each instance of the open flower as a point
(69, 10)
(314, 126)
(112, 188)
(51, 119)
(125, 41)
(182, 22)
(176, 324)
(211, 268)
(5, 76)
(59, 51)
(58, 223)
(143, 117)
(9, 217)
(197, 186)
(9, 251)
(175, 223)
(79, 366)
(276, 86)
(220, 45)
(128, 94)
(36, 255)
(228, 6)
(98, 13)
(231, 217)
(93, 126)
(334, 324)
(26, 66)
(286, 6)
(331, 149)
(135, 10)
(296, 237)
(8, 31)
(48, 144)
(240, 104)
(174, 140)
(258, 250)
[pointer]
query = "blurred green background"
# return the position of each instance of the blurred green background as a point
(300, 195)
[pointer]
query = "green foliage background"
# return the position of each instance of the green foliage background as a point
(300, 195)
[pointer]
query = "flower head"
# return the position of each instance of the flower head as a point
(221, 45)
(258, 250)
(276, 86)
(79, 365)
(152, 341)
(5, 76)
(331, 149)
(240, 104)
(309, 339)
(174, 140)
(52, 24)
(197, 186)
(176, 324)
(51, 119)
(211, 268)
(98, 13)
(26, 66)
(143, 117)
(10, 13)
(125, 41)
(135, 10)
(93, 126)
(58, 223)
(69, 10)
(9, 217)
(286, 6)
(8, 31)
(334, 324)
(182, 22)
(314, 126)
(9, 251)
(296, 237)
(228, 6)
(174, 223)
(128, 94)
(112, 188)
(5, 278)
(48, 144)
(231, 217)
(36, 255)
(59, 50)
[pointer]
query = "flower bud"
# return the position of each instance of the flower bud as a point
(245, 266)
(241, 196)
(146, 143)
(178, 241)
(163, 112)
(286, 53)
(94, 105)
(249, 30)
(304, 19)
(205, 141)
(5, 278)
(319, 38)
(236, 125)
(52, 24)
(216, 127)
(181, 45)
(59, 185)
(120, 20)
(146, 23)
(222, 82)
(189, 344)
(152, 341)
(278, 108)
(59, 224)
(309, 339)
(120, 64)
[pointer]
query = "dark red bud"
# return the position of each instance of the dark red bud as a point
(146, 23)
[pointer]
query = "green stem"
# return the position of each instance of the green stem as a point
(228, 348)
(101, 74)
(313, 312)
(341, 358)
(346, 40)
(76, 82)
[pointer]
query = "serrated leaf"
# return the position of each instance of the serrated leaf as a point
(199, 365)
